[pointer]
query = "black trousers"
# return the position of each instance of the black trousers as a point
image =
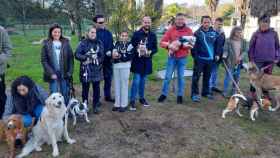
(198, 68)
(96, 92)
(3, 96)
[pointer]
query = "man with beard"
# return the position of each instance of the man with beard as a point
(145, 43)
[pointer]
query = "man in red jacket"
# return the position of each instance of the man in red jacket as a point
(174, 40)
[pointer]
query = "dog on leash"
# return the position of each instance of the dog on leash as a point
(50, 128)
(77, 108)
(262, 81)
(13, 131)
(238, 100)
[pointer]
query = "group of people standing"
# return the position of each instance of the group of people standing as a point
(102, 59)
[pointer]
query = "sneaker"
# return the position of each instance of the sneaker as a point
(179, 100)
(109, 99)
(215, 89)
(196, 98)
(132, 106)
(144, 102)
(96, 108)
(122, 109)
(115, 108)
(161, 98)
(209, 96)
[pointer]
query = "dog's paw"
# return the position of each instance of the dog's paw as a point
(88, 121)
(55, 153)
(272, 109)
(38, 148)
(71, 141)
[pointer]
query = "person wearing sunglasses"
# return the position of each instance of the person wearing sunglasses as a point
(105, 36)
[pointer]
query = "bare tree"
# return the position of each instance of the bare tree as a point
(212, 5)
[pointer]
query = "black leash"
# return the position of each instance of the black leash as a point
(72, 89)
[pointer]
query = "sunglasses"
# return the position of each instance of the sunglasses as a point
(101, 22)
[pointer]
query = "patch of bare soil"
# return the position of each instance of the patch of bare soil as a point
(171, 131)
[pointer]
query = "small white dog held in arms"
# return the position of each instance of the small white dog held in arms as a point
(77, 108)
(50, 128)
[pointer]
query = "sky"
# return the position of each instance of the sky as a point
(191, 2)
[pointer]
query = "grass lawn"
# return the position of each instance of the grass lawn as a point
(169, 130)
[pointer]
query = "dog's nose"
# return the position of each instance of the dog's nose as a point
(59, 103)
(11, 125)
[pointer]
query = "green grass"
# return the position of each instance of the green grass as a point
(26, 59)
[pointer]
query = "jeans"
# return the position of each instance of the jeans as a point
(235, 72)
(201, 66)
(172, 64)
(3, 96)
(121, 80)
(96, 92)
(138, 86)
(27, 118)
(61, 86)
(214, 75)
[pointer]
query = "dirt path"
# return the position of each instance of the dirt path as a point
(172, 131)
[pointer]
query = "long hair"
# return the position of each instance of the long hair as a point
(233, 31)
(24, 102)
(52, 27)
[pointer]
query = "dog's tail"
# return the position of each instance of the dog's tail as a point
(239, 96)
(28, 148)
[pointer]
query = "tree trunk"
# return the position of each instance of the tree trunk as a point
(243, 21)
(72, 26)
(23, 17)
(99, 7)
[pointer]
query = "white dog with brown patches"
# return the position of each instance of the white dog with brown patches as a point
(50, 128)
(238, 100)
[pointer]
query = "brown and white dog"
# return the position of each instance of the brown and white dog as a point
(238, 100)
(11, 131)
(262, 81)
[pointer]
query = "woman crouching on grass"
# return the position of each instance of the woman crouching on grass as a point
(90, 53)
(122, 55)
(234, 52)
(58, 61)
(26, 99)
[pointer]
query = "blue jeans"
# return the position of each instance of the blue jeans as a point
(61, 86)
(236, 75)
(138, 86)
(214, 75)
(27, 119)
(172, 64)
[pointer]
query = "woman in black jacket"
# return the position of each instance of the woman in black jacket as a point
(90, 53)
(58, 61)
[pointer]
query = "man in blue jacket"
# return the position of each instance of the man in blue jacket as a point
(204, 56)
(106, 37)
(144, 42)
